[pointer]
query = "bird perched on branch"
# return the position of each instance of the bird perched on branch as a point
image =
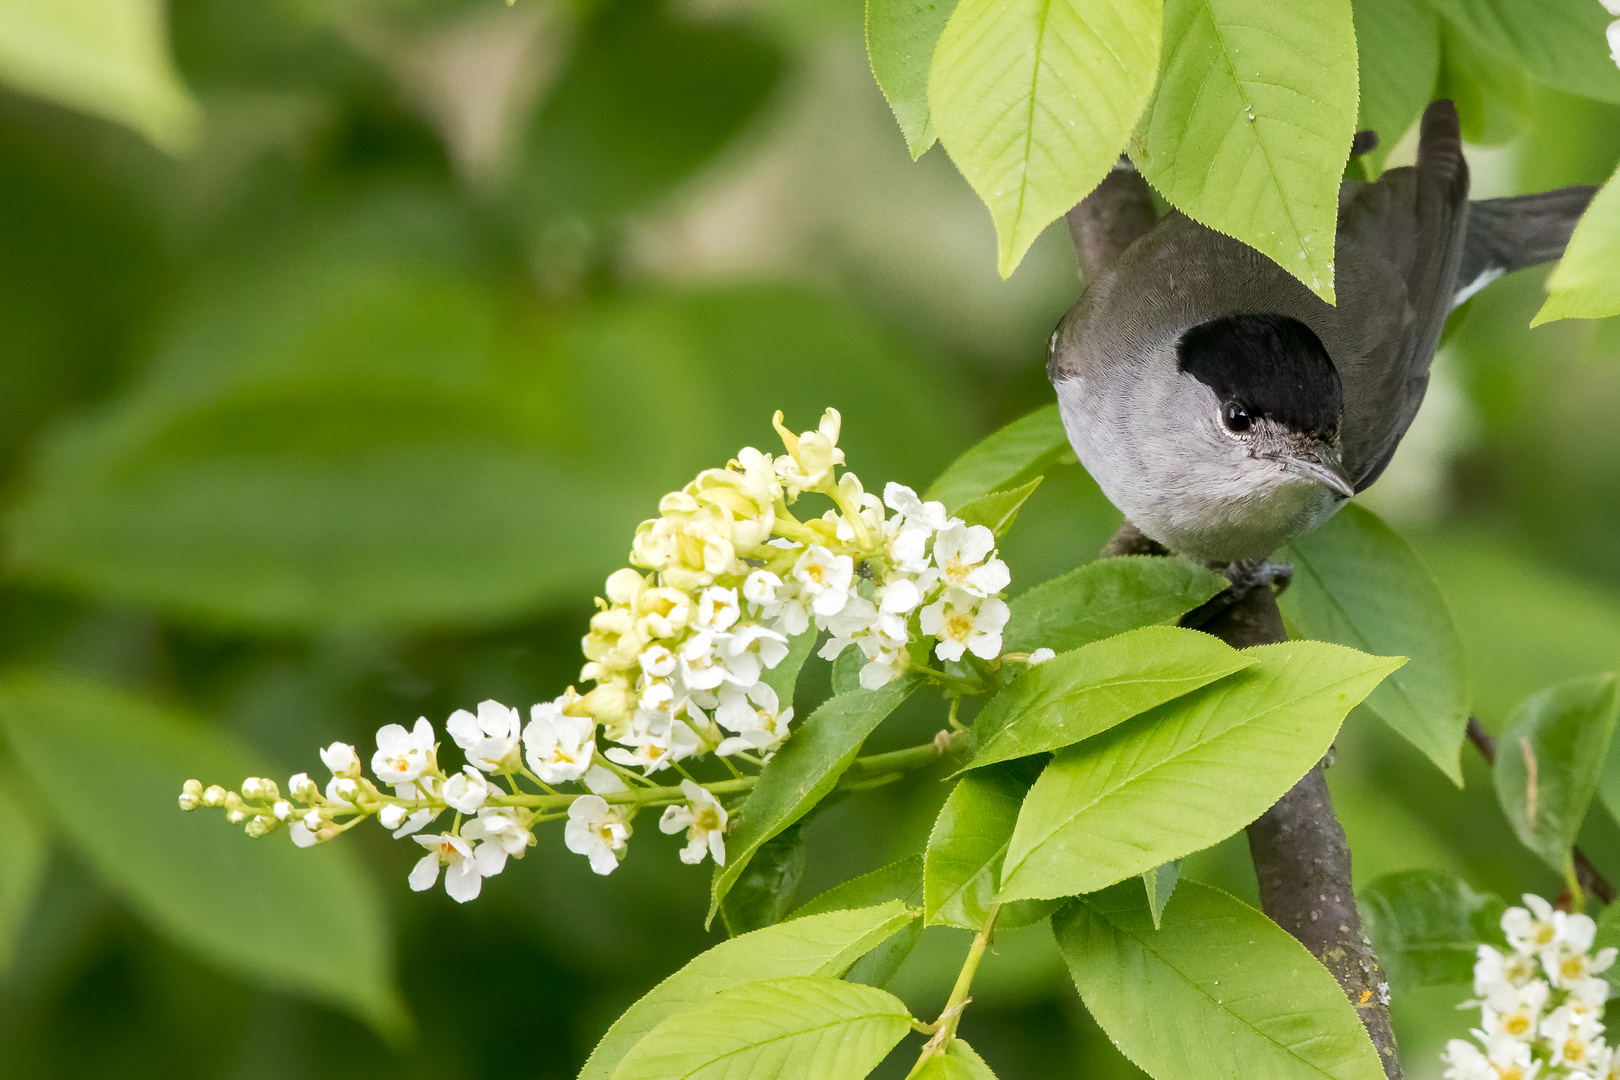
(1226, 409)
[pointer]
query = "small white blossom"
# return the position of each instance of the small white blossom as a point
(600, 780)
(558, 747)
(717, 609)
(755, 715)
(462, 878)
(912, 511)
(499, 834)
(1614, 37)
(300, 786)
(489, 738)
(965, 557)
(1040, 656)
(302, 835)
(960, 627)
(760, 588)
(467, 791)
(704, 820)
(402, 755)
(596, 831)
(656, 662)
(341, 759)
(826, 579)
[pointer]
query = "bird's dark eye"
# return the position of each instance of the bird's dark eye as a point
(1235, 416)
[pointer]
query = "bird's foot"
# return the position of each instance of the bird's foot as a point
(1246, 576)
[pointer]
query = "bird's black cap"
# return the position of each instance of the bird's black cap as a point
(1272, 365)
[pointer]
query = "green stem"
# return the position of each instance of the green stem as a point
(951, 1015)
(1572, 882)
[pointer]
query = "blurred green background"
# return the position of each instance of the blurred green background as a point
(329, 400)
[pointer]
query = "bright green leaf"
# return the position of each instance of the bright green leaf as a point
(24, 851)
(106, 57)
(803, 1028)
(1549, 758)
(305, 921)
(1160, 883)
(1357, 583)
(1586, 282)
(846, 670)
(1105, 598)
(902, 881)
(1398, 47)
(821, 944)
(998, 510)
(1426, 926)
(959, 1062)
(1217, 991)
(803, 771)
(1078, 694)
(1251, 124)
(900, 40)
(1562, 44)
(965, 851)
(1034, 100)
(1002, 459)
(1188, 774)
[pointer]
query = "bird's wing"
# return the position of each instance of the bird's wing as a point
(1510, 234)
(1399, 252)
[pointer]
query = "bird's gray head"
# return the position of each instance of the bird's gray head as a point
(1262, 403)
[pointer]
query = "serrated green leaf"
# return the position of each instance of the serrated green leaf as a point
(1586, 282)
(764, 893)
(24, 851)
(1426, 926)
(803, 1028)
(846, 670)
(900, 40)
(1251, 124)
(902, 881)
(1549, 758)
(803, 771)
(823, 944)
(1218, 991)
(1357, 583)
(784, 677)
(965, 851)
(1187, 774)
(1034, 100)
(1105, 598)
(1493, 97)
(109, 58)
(1398, 48)
(998, 510)
(1560, 44)
(959, 1062)
(1075, 695)
(1160, 883)
(305, 921)
(1002, 459)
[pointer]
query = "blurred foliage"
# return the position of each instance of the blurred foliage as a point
(338, 418)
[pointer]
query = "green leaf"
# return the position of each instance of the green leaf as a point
(308, 922)
(846, 670)
(1585, 284)
(1002, 459)
(1426, 926)
(1034, 100)
(902, 881)
(1493, 98)
(1160, 883)
(784, 677)
(803, 1028)
(803, 771)
(1251, 124)
(965, 851)
(1357, 583)
(900, 40)
(1398, 47)
(959, 1062)
(764, 892)
(1078, 694)
(1561, 44)
(821, 944)
(1217, 991)
(109, 58)
(1188, 774)
(24, 852)
(1105, 598)
(1548, 761)
(1608, 936)
(998, 510)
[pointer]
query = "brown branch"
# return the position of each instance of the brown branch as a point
(1586, 874)
(1301, 859)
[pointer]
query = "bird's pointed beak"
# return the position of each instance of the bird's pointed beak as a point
(1322, 467)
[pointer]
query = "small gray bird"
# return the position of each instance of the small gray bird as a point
(1225, 409)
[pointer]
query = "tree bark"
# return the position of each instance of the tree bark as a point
(1301, 858)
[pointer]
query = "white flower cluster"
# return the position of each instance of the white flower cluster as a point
(678, 652)
(1613, 8)
(1541, 1003)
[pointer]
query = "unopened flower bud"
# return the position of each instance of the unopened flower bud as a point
(236, 817)
(261, 826)
(312, 820)
(282, 809)
(253, 788)
(214, 796)
(191, 795)
(391, 815)
(301, 786)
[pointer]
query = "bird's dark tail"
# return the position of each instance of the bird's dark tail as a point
(1511, 234)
